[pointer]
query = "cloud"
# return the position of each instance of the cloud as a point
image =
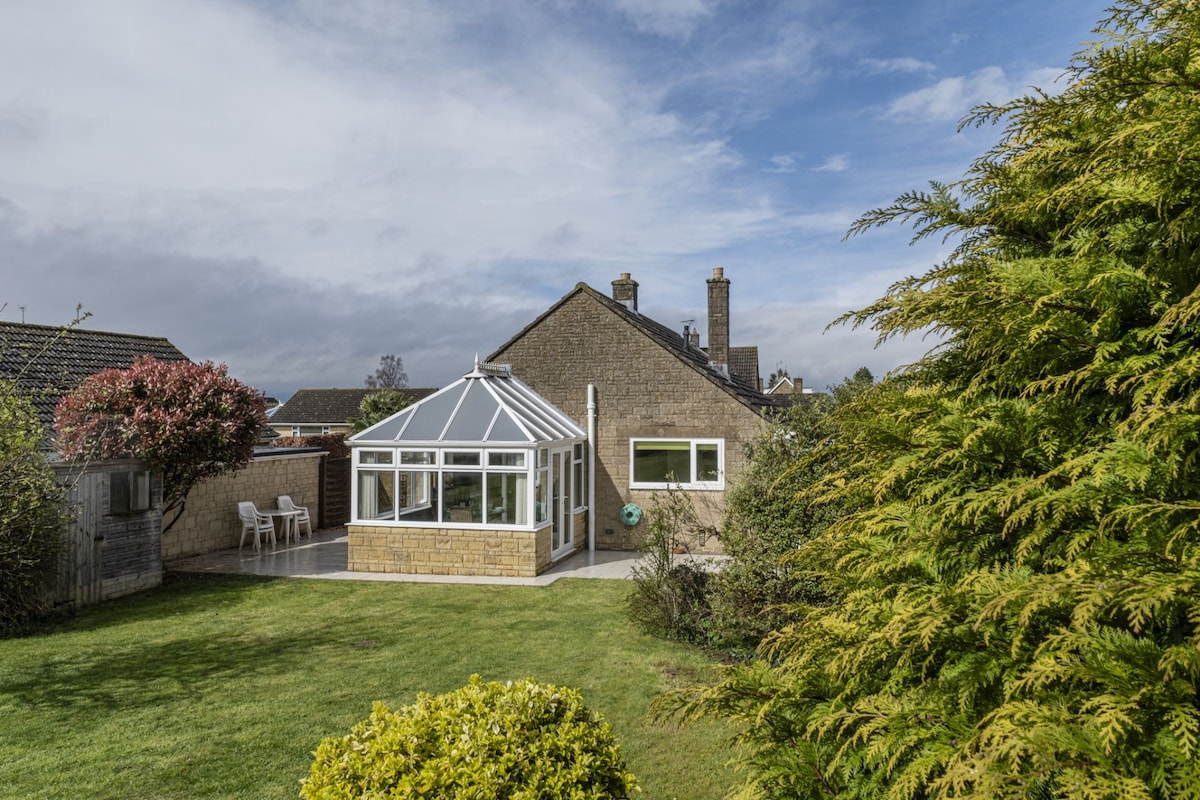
(236, 130)
(784, 163)
(894, 65)
(675, 18)
(951, 98)
(839, 162)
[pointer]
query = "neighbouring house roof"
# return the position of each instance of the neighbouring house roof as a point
(784, 385)
(669, 339)
(486, 406)
(330, 406)
(743, 362)
(46, 362)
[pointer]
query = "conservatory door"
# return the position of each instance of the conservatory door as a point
(560, 503)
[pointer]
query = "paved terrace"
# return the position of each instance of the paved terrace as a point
(323, 556)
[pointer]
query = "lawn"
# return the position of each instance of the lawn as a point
(221, 687)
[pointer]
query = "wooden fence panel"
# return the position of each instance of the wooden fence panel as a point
(335, 492)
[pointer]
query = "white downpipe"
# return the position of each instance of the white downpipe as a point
(591, 433)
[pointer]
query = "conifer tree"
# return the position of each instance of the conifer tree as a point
(1016, 610)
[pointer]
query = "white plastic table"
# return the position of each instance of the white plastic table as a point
(289, 522)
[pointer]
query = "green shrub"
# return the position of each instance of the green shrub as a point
(32, 516)
(519, 740)
(669, 596)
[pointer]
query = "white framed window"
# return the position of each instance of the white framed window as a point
(310, 430)
(468, 487)
(579, 472)
(677, 463)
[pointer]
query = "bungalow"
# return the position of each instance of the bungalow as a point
(558, 441)
(665, 411)
(314, 412)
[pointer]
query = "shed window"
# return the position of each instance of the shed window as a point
(684, 463)
(129, 492)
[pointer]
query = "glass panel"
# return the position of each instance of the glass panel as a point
(139, 490)
(579, 452)
(708, 462)
(507, 498)
(412, 490)
(310, 430)
(462, 459)
(556, 482)
(506, 459)
(662, 462)
(416, 457)
(417, 495)
(580, 493)
(376, 495)
(539, 496)
(543, 457)
(462, 493)
(375, 457)
(118, 493)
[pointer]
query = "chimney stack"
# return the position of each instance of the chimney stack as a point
(624, 290)
(718, 320)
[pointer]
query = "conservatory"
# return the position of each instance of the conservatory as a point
(484, 477)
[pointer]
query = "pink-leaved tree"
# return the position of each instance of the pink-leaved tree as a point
(190, 421)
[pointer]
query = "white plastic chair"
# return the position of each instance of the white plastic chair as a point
(302, 518)
(256, 522)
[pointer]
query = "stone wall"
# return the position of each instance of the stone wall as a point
(642, 390)
(211, 522)
(445, 551)
(454, 551)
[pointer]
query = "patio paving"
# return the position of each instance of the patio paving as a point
(323, 556)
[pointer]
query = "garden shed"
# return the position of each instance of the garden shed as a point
(484, 477)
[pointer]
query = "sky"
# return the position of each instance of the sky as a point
(295, 189)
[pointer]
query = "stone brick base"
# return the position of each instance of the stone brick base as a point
(451, 551)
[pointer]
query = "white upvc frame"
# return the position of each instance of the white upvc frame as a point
(691, 481)
(393, 462)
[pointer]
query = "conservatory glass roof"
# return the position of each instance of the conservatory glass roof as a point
(486, 406)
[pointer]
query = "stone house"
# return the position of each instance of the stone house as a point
(665, 411)
(558, 442)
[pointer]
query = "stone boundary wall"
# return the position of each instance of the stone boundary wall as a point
(453, 551)
(211, 523)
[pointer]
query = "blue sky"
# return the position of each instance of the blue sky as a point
(297, 188)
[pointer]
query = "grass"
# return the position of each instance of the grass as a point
(222, 686)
